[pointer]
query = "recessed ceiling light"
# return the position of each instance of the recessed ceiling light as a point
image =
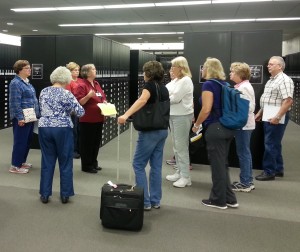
(10, 23)
(35, 30)
(139, 38)
(5, 30)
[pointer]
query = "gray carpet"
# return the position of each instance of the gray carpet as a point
(268, 218)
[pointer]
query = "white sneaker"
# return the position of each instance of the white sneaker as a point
(26, 165)
(183, 182)
(173, 177)
(14, 169)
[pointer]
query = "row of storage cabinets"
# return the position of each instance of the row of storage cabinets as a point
(116, 90)
(295, 111)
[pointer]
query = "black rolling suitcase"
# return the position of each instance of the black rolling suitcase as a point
(122, 205)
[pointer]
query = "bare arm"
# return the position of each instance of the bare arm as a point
(85, 99)
(207, 103)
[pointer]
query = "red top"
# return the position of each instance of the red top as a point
(92, 111)
(73, 85)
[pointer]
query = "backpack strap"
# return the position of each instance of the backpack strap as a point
(226, 83)
(221, 99)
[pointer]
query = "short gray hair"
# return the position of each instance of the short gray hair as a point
(61, 75)
(85, 69)
(280, 61)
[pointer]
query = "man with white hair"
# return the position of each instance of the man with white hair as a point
(276, 101)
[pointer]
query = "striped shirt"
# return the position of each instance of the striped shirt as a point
(21, 95)
(277, 89)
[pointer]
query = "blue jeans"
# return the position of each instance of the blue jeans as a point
(56, 143)
(22, 139)
(149, 148)
(272, 159)
(242, 140)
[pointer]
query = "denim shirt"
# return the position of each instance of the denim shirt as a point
(57, 105)
(21, 95)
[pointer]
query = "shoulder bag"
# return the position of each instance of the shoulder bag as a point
(153, 116)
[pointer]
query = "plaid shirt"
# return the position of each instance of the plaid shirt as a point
(21, 95)
(277, 89)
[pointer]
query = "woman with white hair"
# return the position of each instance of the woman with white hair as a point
(56, 134)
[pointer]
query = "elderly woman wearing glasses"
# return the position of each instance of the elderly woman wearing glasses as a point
(181, 116)
(21, 96)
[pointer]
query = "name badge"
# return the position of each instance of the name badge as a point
(98, 94)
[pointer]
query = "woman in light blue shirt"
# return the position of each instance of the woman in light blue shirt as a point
(56, 134)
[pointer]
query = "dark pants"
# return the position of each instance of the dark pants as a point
(56, 143)
(22, 139)
(90, 142)
(218, 139)
(76, 131)
(273, 134)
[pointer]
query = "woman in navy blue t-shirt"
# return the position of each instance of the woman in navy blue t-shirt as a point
(217, 137)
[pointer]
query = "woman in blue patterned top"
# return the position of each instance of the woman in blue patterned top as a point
(21, 95)
(56, 134)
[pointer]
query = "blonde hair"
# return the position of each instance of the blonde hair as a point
(242, 69)
(214, 69)
(72, 65)
(183, 64)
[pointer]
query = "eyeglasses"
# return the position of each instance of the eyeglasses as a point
(27, 68)
(272, 64)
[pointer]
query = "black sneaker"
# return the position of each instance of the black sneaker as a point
(265, 177)
(232, 204)
(279, 174)
(209, 203)
(252, 186)
(240, 187)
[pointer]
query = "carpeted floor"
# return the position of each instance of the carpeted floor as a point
(268, 218)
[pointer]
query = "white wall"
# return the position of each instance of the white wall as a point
(291, 46)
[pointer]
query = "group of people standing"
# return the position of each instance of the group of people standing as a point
(69, 102)
(57, 106)
(278, 92)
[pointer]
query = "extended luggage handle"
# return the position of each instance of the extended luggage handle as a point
(130, 150)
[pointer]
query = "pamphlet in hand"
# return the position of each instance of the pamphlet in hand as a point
(196, 136)
(271, 111)
(108, 109)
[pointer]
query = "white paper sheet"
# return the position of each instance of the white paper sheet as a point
(271, 111)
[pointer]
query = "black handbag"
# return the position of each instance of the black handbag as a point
(153, 116)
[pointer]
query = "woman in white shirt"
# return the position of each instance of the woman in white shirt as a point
(240, 73)
(181, 116)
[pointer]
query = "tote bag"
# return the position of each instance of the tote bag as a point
(154, 116)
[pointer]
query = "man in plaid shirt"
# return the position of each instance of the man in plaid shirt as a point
(278, 92)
